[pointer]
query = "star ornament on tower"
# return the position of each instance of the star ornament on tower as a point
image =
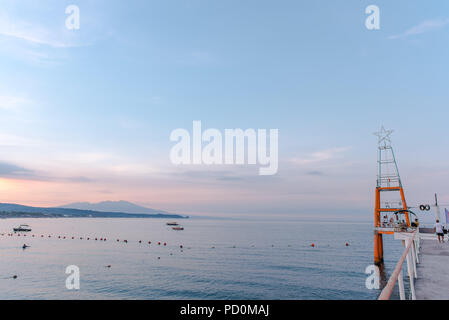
(384, 136)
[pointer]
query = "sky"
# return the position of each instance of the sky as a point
(86, 115)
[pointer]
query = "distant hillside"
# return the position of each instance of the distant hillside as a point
(8, 210)
(113, 206)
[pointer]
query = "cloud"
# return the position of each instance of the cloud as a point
(423, 27)
(80, 179)
(10, 103)
(9, 140)
(9, 170)
(315, 173)
(32, 33)
(12, 171)
(44, 42)
(320, 156)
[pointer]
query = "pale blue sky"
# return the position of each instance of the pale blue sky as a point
(86, 115)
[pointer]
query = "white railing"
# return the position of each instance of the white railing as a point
(411, 254)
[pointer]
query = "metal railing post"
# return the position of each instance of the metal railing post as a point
(414, 260)
(417, 250)
(401, 285)
(411, 275)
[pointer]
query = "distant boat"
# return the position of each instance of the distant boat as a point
(22, 228)
(172, 224)
(178, 228)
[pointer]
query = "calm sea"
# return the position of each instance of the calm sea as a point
(219, 259)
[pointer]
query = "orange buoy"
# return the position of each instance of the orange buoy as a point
(312, 245)
(347, 244)
(158, 243)
(165, 243)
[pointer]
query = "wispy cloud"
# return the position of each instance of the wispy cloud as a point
(34, 33)
(11, 140)
(12, 171)
(10, 103)
(423, 27)
(320, 156)
(9, 169)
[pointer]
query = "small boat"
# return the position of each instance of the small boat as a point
(178, 228)
(22, 228)
(172, 224)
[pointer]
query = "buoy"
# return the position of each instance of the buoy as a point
(312, 245)
(165, 243)
(104, 239)
(347, 244)
(14, 277)
(180, 246)
(149, 242)
(108, 266)
(88, 238)
(158, 243)
(118, 240)
(140, 241)
(125, 241)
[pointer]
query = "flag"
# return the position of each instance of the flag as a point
(447, 216)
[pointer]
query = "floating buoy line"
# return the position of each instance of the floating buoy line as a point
(125, 241)
(60, 237)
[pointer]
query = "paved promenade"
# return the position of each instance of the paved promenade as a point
(433, 270)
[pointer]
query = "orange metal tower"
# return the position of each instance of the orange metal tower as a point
(388, 181)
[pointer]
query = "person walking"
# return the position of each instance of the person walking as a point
(438, 228)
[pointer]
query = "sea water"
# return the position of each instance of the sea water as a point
(210, 259)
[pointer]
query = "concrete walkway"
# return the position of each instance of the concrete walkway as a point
(433, 270)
